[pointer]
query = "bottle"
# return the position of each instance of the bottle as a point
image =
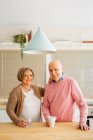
(29, 35)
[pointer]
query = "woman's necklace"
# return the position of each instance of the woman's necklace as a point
(26, 88)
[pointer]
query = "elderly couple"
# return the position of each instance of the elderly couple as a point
(61, 94)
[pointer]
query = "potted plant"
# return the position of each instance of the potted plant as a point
(21, 39)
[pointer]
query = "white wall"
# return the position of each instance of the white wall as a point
(60, 19)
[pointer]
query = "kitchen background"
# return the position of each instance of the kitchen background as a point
(66, 23)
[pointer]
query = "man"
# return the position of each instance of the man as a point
(61, 94)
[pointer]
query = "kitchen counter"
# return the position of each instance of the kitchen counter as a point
(3, 114)
(38, 131)
(2, 107)
(3, 102)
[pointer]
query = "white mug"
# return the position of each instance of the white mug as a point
(51, 120)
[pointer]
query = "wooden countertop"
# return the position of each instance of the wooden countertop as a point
(38, 131)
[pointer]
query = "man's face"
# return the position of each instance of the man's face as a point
(55, 70)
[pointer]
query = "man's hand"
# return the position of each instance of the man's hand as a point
(83, 126)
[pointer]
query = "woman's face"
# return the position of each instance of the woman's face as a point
(28, 77)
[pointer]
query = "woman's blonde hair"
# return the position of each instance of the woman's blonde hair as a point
(21, 72)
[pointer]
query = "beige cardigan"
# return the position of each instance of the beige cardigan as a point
(16, 99)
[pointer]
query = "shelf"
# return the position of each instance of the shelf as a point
(68, 46)
(9, 46)
(64, 46)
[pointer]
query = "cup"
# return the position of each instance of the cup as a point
(29, 121)
(51, 120)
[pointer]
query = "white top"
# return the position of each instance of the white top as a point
(31, 107)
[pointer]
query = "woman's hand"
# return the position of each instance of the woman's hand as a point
(23, 123)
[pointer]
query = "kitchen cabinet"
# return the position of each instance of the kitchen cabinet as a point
(3, 116)
(90, 106)
(76, 58)
(10, 62)
(90, 110)
(77, 61)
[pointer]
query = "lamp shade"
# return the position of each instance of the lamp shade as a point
(39, 44)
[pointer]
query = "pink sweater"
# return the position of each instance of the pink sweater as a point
(60, 98)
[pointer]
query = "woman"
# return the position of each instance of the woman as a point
(24, 100)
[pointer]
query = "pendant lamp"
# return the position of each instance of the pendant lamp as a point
(39, 44)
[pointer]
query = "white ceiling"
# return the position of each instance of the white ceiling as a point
(47, 12)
